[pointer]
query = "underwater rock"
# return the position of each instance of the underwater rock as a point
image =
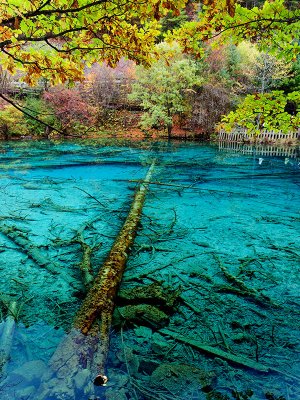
(82, 378)
(147, 366)
(143, 334)
(159, 344)
(177, 377)
(56, 389)
(221, 362)
(178, 320)
(243, 337)
(113, 394)
(273, 396)
(117, 380)
(151, 294)
(31, 186)
(30, 371)
(214, 395)
(24, 393)
(141, 314)
(132, 360)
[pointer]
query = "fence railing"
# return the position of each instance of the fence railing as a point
(261, 150)
(242, 136)
(24, 91)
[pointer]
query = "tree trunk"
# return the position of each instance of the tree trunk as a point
(101, 296)
(170, 125)
(83, 352)
(169, 130)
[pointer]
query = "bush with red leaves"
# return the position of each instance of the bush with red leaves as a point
(70, 108)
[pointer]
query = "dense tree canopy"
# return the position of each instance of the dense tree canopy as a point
(52, 38)
(269, 111)
(275, 26)
(243, 47)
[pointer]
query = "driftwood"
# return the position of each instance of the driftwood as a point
(7, 337)
(243, 290)
(191, 186)
(246, 362)
(33, 252)
(84, 350)
(85, 264)
(49, 205)
(235, 359)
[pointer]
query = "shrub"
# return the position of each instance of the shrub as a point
(70, 108)
(269, 111)
(39, 109)
(12, 122)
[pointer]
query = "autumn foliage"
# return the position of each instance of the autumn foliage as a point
(70, 108)
(227, 49)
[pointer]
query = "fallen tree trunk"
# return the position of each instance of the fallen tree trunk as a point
(100, 300)
(245, 362)
(85, 264)
(225, 355)
(26, 246)
(7, 337)
(84, 350)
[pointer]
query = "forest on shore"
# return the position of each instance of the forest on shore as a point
(182, 69)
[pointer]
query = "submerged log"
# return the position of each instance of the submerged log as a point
(85, 264)
(100, 300)
(70, 371)
(239, 360)
(225, 355)
(241, 289)
(84, 351)
(20, 239)
(7, 337)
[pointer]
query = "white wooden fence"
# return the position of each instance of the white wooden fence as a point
(242, 136)
(261, 150)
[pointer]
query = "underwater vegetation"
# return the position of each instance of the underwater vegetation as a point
(208, 305)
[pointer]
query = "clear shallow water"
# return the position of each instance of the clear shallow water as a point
(219, 236)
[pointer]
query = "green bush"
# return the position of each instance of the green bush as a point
(265, 111)
(12, 122)
(39, 109)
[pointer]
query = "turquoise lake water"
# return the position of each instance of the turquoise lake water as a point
(209, 302)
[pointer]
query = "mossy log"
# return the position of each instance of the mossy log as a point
(85, 264)
(155, 294)
(100, 299)
(82, 354)
(145, 314)
(20, 239)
